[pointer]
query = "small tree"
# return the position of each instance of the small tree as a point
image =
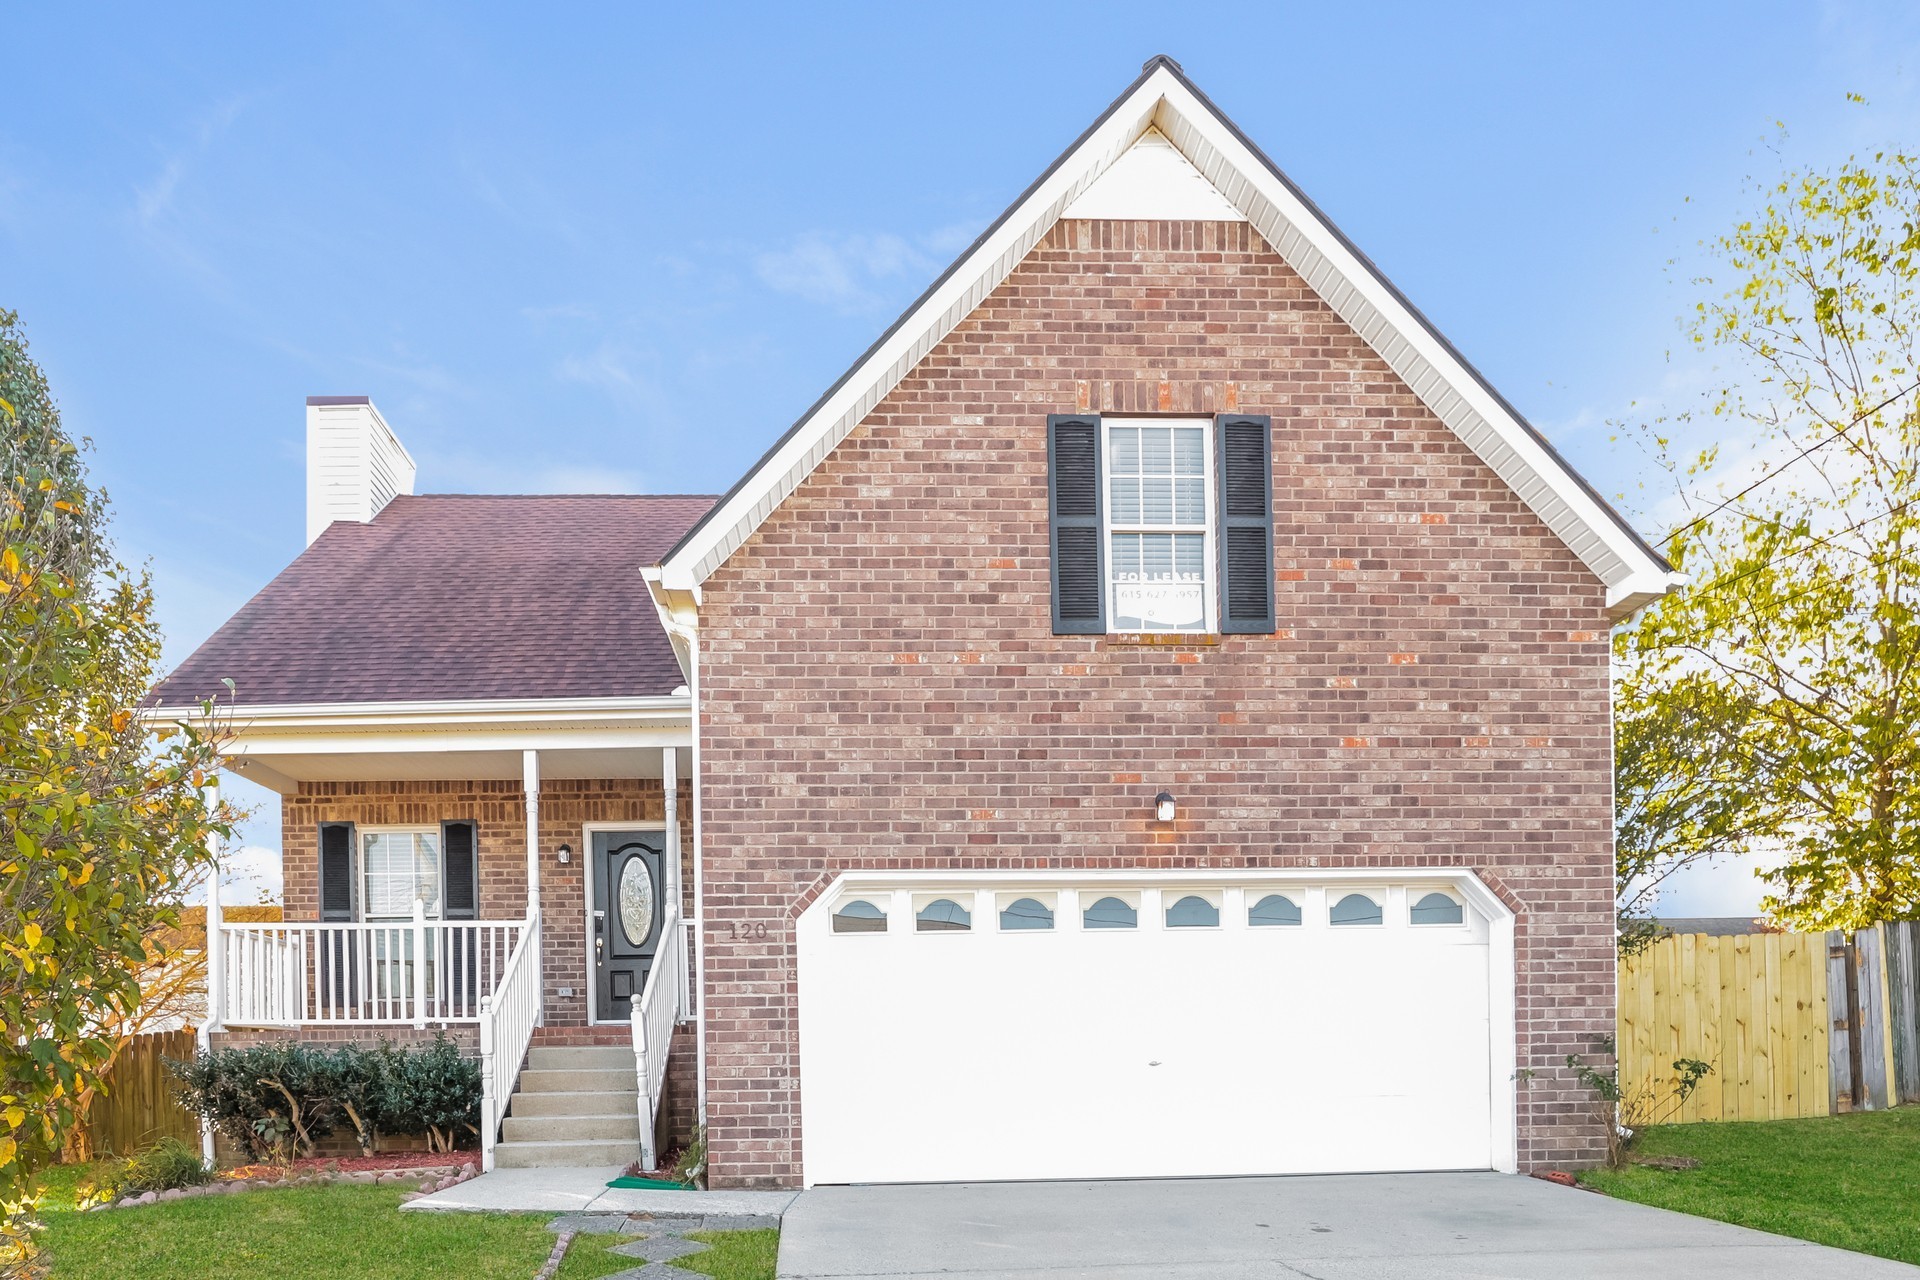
(1801, 616)
(101, 828)
(1629, 1110)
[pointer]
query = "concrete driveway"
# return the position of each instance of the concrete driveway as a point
(1440, 1225)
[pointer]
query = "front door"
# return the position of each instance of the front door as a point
(628, 903)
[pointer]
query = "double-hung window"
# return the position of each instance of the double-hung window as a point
(1159, 525)
(398, 867)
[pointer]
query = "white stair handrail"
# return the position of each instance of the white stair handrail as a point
(507, 1020)
(655, 1014)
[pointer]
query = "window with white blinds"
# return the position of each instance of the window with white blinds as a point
(1159, 526)
(397, 867)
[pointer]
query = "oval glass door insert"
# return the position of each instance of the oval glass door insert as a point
(636, 901)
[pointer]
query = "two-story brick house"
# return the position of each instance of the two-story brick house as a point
(1150, 716)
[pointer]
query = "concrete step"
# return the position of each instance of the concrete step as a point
(566, 1155)
(580, 1058)
(584, 1103)
(604, 1033)
(572, 1081)
(611, 1128)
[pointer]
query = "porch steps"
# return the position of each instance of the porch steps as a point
(577, 1105)
(603, 1034)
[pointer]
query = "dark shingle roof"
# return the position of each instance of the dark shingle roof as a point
(456, 597)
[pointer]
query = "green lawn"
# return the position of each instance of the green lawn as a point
(736, 1255)
(1846, 1181)
(340, 1233)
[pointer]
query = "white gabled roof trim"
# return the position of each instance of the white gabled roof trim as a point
(1163, 98)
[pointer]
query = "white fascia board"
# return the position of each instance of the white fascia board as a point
(1300, 235)
(351, 716)
(254, 742)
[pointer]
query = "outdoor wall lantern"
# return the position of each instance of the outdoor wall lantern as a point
(566, 853)
(1163, 807)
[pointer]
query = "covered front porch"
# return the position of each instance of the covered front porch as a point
(485, 870)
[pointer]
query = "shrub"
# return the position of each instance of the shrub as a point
(274, 1100)
(164, 1166)
(356, 1080)
(432, 1090)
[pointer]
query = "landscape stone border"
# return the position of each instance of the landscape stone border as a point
(425, 1179)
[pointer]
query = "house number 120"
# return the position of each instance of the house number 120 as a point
(749, 932)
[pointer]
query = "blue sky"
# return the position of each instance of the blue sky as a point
(622, 247)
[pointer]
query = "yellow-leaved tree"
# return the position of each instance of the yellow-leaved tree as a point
(1783, 685)
(103, 825)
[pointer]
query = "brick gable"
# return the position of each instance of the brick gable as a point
(880, 685)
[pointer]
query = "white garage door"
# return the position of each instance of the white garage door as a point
(1007, 1031)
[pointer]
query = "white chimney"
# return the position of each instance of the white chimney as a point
(355, 464)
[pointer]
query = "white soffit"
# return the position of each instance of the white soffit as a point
(1163, 101)
(1152, 181)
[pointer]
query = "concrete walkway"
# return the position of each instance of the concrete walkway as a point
(586, 1191)
(1392, 1226)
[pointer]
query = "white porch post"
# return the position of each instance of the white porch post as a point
(216, 959)
(419, 964)
(670, 788)
(530, 773)
(530, 782)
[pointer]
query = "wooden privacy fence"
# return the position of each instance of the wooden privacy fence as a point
(1903, 1001)
(139, 1107)
(1793, 1024)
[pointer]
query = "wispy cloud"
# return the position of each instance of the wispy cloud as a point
(163, 216)
(460, 472)
(157, 198)
(851, 271)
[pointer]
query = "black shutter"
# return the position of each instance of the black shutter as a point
(1244, 472)
(460, 859)
(337, 889)
(1073, 498)
(339, 962)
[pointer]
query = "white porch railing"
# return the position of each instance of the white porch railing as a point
(507, 1019)
(418, 972)
(661, 1005)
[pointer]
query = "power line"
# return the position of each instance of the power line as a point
(1775, 473)
(1721, 583)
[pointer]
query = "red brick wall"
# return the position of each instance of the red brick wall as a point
(881, 687)
(499, 810)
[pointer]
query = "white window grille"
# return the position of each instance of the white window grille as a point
(1158, 512)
